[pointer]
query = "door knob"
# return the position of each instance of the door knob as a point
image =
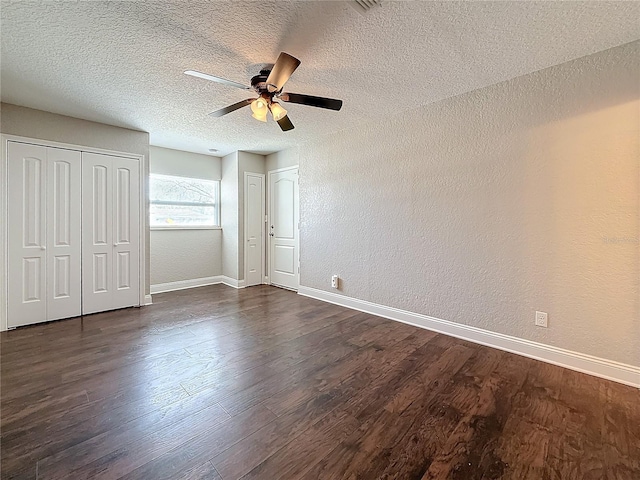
(43, 247)
(271, 234)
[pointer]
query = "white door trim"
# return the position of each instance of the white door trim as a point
(268, 241)
(142, 162)
(246, 225)
(283, 169)
(4, 240)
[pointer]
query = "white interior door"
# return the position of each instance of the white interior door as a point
(283, 228)
(27, 242)
(110, 240)
(64, 233)
(253, 228)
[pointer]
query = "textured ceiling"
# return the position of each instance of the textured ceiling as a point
(121, 62)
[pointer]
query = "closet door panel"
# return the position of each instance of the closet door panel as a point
(126, 229)
(27, 169)
(64, 296)
(97, 247)
(111, 239)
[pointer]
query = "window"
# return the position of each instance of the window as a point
(180, 202)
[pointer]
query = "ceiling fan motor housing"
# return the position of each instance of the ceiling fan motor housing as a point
(259, 82)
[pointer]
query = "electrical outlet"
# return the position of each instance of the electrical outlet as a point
(334, 281)
(541, 319)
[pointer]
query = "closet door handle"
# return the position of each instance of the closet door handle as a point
(42, 247)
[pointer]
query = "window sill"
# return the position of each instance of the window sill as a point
(185, 228)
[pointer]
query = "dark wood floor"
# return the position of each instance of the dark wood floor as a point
(261, 383)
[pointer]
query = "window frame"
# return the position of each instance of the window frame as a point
(216, 206)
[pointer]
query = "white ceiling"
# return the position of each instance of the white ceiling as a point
(121, 63)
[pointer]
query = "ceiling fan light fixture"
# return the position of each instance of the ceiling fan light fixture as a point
(259, 106)
(277, 111)
(260, 116)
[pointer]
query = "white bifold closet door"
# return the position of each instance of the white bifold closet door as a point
(44, 246)
(111, 232)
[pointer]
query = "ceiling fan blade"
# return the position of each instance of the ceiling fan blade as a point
(232, 108)
(321, 102)
(281, 71)
(285, 124)
(224, 81)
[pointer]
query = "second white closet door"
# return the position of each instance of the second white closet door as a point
(110, 236)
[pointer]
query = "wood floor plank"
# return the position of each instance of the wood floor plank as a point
(358, 371)
(257, 393)
(469, 449)
(90, 419)
(131, 454)
(206, 471)
(200, 448)
(218, 383)
(386, 420)
(104, 434)
(307, 368)
(428, 437)
(264, 360)
(312, 445)
(244, 455)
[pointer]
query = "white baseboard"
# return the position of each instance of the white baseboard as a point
(148, 300)
(599, 367)
(182, 284)
(196, 282)
(231, 282)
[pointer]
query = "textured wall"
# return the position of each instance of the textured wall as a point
(32, 123)
(252, 163)
(167, 161)
(229, 215)
(285, 158)
(28, 122)
(482, 208)
(184, 254)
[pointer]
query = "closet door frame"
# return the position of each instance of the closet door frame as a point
(142, 168)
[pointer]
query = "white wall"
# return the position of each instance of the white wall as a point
(178, 255)
(234, 167)
(229, 215)
(166, 161)
(483, 208)
(285, 158)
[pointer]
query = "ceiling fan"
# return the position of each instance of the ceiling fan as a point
(268, 85)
